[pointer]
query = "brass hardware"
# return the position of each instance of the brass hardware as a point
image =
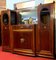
(22, 40)
(44, 27)
(5, 27)
(21, 27)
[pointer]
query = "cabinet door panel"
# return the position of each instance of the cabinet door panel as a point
(44, 41)
(6, 36)
(23, 40)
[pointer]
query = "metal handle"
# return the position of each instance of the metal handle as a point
(21, 27)
(5, 27)
(22, 40)
(44, 27)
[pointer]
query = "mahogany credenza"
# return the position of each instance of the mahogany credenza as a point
(30, 39)
(24, 39)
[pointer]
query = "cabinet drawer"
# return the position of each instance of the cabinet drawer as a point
(22, 27)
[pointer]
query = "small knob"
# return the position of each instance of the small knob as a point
(44, 27)
(5, 27)
(22, 40)
(21, 27)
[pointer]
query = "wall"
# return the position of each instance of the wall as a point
(2, 5)
(50, 1)
(25, 5)
(10, 3)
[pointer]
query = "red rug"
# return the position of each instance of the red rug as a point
(10, 56)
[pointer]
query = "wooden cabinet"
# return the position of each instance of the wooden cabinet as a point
(24, 40)
(5, 31)
(45, 30)
(7, 19)
(30, 39)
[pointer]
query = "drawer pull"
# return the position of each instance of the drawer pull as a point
(21, 27)
(22, 40)
(5, 27)
(44, 27)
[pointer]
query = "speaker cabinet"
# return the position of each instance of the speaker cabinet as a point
(8, 18)
(45, 30)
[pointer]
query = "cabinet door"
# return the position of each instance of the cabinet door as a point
(23, 42)
(6, 38)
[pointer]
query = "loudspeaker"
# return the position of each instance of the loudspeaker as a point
(8, 18)
(45, 30)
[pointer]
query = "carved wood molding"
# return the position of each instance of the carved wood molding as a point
(24, 50)
(23, 30)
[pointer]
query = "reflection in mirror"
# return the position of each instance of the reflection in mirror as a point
(19, 18)
(29, 16)
(13, 18)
